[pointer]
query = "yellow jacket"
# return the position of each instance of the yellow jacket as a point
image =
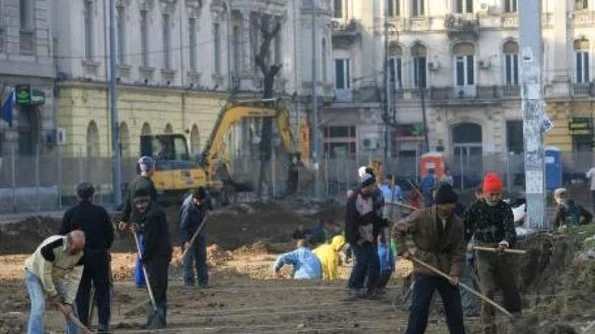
(329, 257)
(51, 263)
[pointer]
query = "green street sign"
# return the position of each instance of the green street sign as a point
(23, 94)
(37, 97)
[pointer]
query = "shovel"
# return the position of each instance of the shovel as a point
(155, 319)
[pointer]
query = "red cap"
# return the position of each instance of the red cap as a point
(492, 183)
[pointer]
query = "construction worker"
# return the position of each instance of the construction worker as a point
(305, 264)
(490, 222)
(568, 212)
(54, 270)
(192, 214)
(95, 222)
(427, 186)
(328, 254)
(392, 195)
(142, 181)
(156, 251)
(363, 223)
(437, 239)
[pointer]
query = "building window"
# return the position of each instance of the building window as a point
(394, 8)
(144, 37)
(464, 6)
(581, 4)
(510, 6)
(192, 42)
(511, 63)
(25, 16)
(121, 35)
(88, 29)
(166, 42)
(420, 66)
(464, 65)
(217, 38)
(395, 65)
(237, 47)
(338, 8)
(324, 69)
(340, 141)
(581, 49)
(418, 8)
(342, 75)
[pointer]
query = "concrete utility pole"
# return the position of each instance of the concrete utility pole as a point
(388, 90)
(315, 130)
(116, 153)
(533, 112)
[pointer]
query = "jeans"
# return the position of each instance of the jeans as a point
(37, 297)
(366, 266)
(423, 290)
(139, 275)
(97, 271)
(196, 257)
(468, 299)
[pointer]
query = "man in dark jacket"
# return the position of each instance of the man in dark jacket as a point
(436, 237)
(156, 247)
(490, 221)
(142, 181)
(568, 212)
(95, 222)
(362, 226)
(192, 214)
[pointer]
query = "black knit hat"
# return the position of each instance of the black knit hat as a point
(85, 190)
(199, 193)
(141, 195)
(446, 195)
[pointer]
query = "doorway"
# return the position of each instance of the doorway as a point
(467, 162)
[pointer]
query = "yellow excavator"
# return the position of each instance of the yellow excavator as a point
(177, 172)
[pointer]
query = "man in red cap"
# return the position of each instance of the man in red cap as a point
(490, 221)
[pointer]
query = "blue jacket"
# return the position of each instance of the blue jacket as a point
(305, 264)
(428, 184)
(191, 217)
(387, 258)
(391, 195)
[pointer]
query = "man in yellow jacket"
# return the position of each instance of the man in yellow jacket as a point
(328, 254)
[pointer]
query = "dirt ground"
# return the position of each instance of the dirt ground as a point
(557, 281)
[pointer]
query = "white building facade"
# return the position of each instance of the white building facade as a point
(463, 58)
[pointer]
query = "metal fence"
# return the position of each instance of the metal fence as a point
(44, 182)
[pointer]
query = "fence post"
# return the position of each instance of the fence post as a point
(462, 169)
(81, 176)
(273, 176)
(508, 170)
(59, 155)
(326, 192)
(14, 180)
(37, 205)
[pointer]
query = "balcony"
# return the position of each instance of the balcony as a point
(583, 89)
(345, 33)
(462, 26)
(343, 95)
(26, 42)
(478, 95)
(510, 20)
(583, 18)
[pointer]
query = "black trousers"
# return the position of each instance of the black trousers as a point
(157, 270)
(423, 290)
(97, 270)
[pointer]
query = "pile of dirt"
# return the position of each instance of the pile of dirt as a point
(25, 236)
(217, 256)
(257, 248)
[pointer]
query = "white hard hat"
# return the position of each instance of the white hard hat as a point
(361, 172)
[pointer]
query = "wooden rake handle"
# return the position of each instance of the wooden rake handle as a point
(202, 224)
(462, 285)
(494, 250)
(77, 322)
(140, 256)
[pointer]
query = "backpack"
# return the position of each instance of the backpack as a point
(573, 214)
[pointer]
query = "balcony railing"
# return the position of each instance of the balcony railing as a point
(583, 89)
(475, 94)
(461, 25)
(583, 18)
(345, 32)
(26, 42)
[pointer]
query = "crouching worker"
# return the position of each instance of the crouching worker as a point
(435, 236)
(568, 212)
(156, 253)
(329, 257)
(305, 264)
(55, 270)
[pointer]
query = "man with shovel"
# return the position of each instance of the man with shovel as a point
(155, 253)
(490, 221)
(192, 218)
(436, 238)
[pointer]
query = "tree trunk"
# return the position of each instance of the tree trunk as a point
(266, 138)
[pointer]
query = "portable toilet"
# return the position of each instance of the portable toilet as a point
(432, 160)
(553, 167)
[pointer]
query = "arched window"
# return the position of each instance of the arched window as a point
(582, 61)
(146, 129)
(419, 54)
(464, 64)
(194, 139)
(395, 65)
(168, 128)
(124, 140)
(92, 140)
(511, 63)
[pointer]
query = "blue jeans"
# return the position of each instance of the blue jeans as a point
(366, 266)
(196, 257)
(37, 297)
(139, 275)
(468, 299)
(423, 291)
